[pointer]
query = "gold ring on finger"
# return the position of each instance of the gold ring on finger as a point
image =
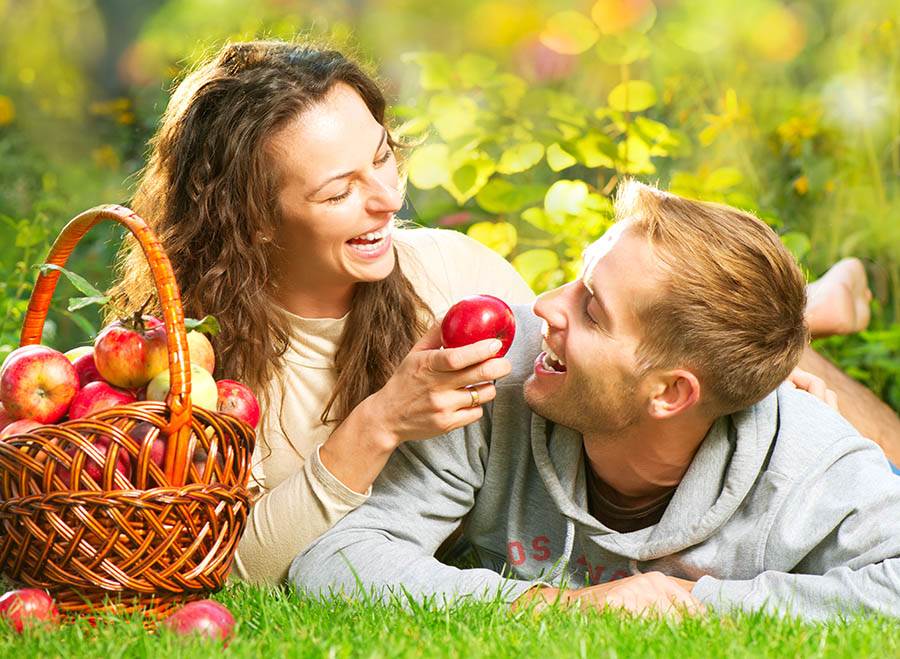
(476, 399)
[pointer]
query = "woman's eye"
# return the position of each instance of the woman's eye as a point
(383, 159)
(340, 197)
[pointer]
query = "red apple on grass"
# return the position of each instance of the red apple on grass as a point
(38, 383)
(204, 617)
(478, 317)
(129, 353)
(94, 469)
(238, 400)
(28, 607)
(97, 396)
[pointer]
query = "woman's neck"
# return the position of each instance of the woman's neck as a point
(320, 302)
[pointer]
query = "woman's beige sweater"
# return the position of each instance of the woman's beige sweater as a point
(298, 499)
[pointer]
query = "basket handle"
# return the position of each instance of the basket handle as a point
(179, 398)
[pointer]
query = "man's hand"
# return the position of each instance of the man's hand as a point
(806, 381)
(650, 594)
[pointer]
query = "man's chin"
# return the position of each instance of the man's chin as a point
(542, 405)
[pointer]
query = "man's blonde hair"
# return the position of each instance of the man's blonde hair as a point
(731, 303)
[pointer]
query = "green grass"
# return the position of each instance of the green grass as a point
(278, 623)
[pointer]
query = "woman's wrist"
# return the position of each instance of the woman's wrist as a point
(358, 449)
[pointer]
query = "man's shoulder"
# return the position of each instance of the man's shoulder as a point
(811, 433)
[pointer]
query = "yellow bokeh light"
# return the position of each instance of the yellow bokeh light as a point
(779, 35)
(613, 16)
(7, 111)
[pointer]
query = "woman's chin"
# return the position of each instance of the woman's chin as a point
(367, 268)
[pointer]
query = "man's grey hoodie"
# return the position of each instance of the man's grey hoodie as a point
(784, 507)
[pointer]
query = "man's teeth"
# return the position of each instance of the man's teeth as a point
(551, 360)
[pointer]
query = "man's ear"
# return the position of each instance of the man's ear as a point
(674, 392)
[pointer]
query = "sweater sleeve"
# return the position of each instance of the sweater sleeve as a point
(386, 547)
(838, 528)
(286, 519)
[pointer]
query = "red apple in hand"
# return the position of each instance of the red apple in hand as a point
(28, 607)
(97, 396)
(205, 617)
(94, 469)
(478, 317)
(38, 383)
(238, 400)
(129, 353)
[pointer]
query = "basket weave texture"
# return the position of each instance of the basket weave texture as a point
(140, 537)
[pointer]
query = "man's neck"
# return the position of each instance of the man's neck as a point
(642, 462)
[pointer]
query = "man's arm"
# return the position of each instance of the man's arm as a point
(839, 529)
(868, 414)
(388, 544)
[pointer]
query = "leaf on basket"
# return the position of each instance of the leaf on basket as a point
(76, 303)
(77, 280)
(206, 325)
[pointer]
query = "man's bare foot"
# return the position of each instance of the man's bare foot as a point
(838, 302)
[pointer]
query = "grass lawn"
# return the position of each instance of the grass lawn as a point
(278, 623)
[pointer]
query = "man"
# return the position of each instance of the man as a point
(649, 458)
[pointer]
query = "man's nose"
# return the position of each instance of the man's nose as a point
(552, 306)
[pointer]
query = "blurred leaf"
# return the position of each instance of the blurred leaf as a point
(428, 166)
(565, 197)
(207, 325)
(596, 150)
(453, 116)
(77, 280)
(520, 158)
(624, 48)
(632, 96)
(569, 32)
(723, 178)
(475, 70)
(534, 263)
(558, 158)
(499, 236)
(502, 196)
(797, 244)
(634, 154)
(538, 218)
(415, 126)
(436, 72)
(29, 234)
(469, 177)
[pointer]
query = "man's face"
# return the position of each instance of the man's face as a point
(591, 327)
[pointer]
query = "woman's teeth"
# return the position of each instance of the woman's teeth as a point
(369, 242)
(551, 361)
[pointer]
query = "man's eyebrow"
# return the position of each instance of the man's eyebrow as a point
(346, 174)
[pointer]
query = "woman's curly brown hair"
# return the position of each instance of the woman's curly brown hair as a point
(209, 193)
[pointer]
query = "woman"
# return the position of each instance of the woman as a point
(272, 185)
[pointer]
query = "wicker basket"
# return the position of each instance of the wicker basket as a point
(145, 540)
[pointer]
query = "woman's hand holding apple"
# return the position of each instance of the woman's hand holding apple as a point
(431, 392)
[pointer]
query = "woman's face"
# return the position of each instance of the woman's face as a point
(338, 193)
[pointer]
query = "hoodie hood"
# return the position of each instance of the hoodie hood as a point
(723, 471)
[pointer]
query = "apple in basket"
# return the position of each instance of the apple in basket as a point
(204, 392)
(82, 359)
(204, 617)
(20, 426)
(37, 382)
(129, 353)
(478, 317)
(28, 607)
(103, 444)
(97, 396)
(238, 400)
(201, 351)
(5, 418)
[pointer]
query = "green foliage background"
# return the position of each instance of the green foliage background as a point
(524, 115)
